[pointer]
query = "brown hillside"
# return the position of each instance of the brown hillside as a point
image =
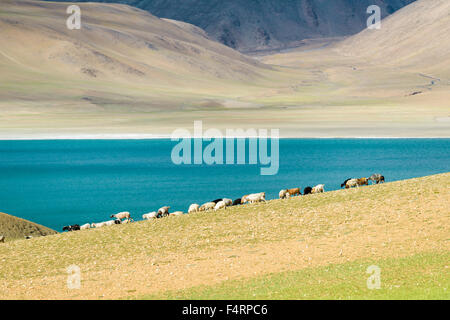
(16, 228)
(415, 37)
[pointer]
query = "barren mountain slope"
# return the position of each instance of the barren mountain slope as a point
(123, 62)
(263, 24)
(398, 74)
(416, 37)
(128, 72)
(116, 44)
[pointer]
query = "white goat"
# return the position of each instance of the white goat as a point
(164, 211)
(193, 208)
(228, 202)
(318, 189)
(207, 206)
(85, 226)
(111, 223)
(351, 183)
(283, 194)
(121, 215)
(98, 225)
(220, 205)
(105, 224)
(256, 197)
(150, 215)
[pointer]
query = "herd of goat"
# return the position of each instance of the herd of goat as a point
(223, 203)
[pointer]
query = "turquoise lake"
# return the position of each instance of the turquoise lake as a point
(60, 182)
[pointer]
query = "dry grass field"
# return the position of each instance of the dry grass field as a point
(128, 72)
(315, 246)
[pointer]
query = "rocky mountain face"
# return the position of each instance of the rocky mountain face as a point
(249, 25)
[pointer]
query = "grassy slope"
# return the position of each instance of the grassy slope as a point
(422, 276)
(390, 221)
(154, 76)
(16, 228)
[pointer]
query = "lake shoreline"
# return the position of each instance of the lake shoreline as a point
(168, 137)
(79, 181)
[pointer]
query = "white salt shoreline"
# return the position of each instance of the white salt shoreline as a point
(161, 136)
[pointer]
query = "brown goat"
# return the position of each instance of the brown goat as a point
(294, 192)
(363, 182)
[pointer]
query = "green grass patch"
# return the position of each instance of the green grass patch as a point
(422, 276)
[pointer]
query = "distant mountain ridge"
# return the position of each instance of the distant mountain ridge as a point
(267, 24)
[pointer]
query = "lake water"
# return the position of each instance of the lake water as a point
(61, 182)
